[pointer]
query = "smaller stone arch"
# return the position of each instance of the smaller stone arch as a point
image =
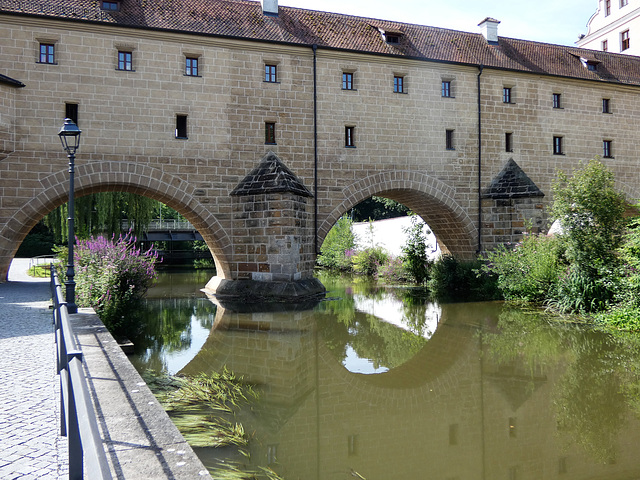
(112, 176)
(427, 196)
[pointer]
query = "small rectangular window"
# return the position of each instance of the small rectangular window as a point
(606, 105)
(557, 146)
(607, 8)
(347, 81)
(508, 142)
(446, 88)
(349, 136)
(398, 84)
(47, 51)
(270, 133)
(606, 148)
(111, 6)
(624, 40)
(125, 61)
(71, 111)
(506, 95)
(557, 100)
(605, 45)
(392, 38)
(624, 3)
(271, 73)
(449, 145)
(181, 126)
(191, 66)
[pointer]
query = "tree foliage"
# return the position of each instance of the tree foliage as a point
(414, 252)
(377, 208)
(338, 246)
(103, 213)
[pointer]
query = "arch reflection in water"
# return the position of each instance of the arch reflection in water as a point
(476, 399)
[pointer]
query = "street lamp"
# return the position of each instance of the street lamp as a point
(70, 137)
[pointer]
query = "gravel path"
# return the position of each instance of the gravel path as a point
(30, 445)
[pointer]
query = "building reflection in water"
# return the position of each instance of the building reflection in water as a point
(456, 396)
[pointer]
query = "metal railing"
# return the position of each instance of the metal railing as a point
(160, 225)
(77, 418)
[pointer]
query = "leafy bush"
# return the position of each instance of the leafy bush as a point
(529, 271)
(368, 261)
(338, 246)
(394, 270)
(591, 212)
(414, 257)
(112, 276)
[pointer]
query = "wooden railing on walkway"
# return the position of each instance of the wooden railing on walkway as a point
(77, 417)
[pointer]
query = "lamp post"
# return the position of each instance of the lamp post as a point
(70, 137)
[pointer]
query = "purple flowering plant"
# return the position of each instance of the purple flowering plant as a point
(112, 275)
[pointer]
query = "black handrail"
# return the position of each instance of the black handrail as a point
(77, 417)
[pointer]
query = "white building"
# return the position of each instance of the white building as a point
(615, 27)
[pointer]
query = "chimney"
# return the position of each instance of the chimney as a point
(489, 28)
(270, 7)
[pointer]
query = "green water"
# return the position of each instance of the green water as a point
(380, 383)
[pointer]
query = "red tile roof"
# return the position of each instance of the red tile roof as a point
(244, 19)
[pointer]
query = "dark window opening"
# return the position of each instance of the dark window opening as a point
(349, 136)
(181, 126)
(506, 95)
(71, 111)
(606, 148)
(508, 142)
(606, 105)
(557, 146)
(449, 140)
(557, 100)
(270, 133)
(392, 38)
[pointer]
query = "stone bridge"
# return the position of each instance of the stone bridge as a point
(263, 166)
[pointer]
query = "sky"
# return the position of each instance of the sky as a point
(548, 21)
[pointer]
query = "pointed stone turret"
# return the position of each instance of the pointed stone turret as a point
(512, 182)
(272, 238)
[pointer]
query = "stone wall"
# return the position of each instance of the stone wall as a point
(128, 119)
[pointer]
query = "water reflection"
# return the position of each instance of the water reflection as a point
(462, 391)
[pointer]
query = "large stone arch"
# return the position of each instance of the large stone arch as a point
(427, 196)
(116, 176)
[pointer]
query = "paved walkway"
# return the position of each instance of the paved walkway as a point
(30, 447)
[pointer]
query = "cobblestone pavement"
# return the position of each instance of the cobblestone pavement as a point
(30, 445)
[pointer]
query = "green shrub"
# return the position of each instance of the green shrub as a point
(529, 271)
(338, 246)
(414, 252)
(368, 261)
(394, 271)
